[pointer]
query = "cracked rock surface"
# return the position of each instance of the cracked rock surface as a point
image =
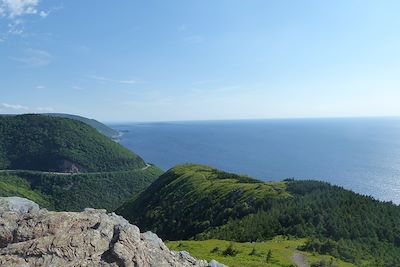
(30, 236)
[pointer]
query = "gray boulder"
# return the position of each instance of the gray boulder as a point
(30, 236)
(214, 263)
(18, 204)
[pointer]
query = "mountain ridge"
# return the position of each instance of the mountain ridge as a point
(101, 127)
(45, 143)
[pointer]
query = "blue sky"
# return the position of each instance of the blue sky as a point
(188, 60)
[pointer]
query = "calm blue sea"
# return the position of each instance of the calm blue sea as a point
(359, 154)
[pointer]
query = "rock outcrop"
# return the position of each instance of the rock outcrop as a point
(30, 236)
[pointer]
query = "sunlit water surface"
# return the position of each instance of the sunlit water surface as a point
(359, 154)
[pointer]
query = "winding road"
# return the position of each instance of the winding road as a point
(70, 173)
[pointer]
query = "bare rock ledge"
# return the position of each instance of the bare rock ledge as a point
(30, 236)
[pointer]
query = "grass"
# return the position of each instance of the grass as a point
(209, 180)
(251, 254)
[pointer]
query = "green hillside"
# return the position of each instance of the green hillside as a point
(37, 142)
(190, 199)
(75, 192)
(195, 201)
(107, 131)
(65, 164)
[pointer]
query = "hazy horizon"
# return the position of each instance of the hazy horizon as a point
(247, 119)
(116, 122)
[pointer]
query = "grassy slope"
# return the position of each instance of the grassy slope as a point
(75, 192)
(282, 250)
(37, 142)
(189, 198)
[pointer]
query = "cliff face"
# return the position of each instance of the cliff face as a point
(30, 236)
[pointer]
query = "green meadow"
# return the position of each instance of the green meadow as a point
(255, 254)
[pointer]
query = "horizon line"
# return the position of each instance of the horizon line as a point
(210, 120)
(252, 119)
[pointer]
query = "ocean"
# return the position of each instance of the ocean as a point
(360, 154)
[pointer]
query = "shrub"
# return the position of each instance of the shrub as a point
(230, 251)
(253, 252)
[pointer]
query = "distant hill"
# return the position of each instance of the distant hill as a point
(107, 131)
(65, 164)
(198, 202)
(47, 143)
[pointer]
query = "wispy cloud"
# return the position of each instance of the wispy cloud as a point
(14, 11)
(128, 81)
(99, 78)
(40, 87)
(105, 79)
(16, 27)
(76, 87)
(194, 39)
(13, 106)
(34, 58)
(18, 108)
(44, 14)
(17, 8)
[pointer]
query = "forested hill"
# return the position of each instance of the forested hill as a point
(189, 199)
(107, 131)
(195, 201)
(38, 142)
(74, 192)
(65, 164)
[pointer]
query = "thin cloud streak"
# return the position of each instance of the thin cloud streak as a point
(13, 106)
(194, 39)
(105, 79)
(18, 108)
(34, 58)
(75, 87)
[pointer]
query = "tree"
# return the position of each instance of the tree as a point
(230, 251)
(269, 256)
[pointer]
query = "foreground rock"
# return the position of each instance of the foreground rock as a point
(30, 236)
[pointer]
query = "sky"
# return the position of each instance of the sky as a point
(126, 60)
